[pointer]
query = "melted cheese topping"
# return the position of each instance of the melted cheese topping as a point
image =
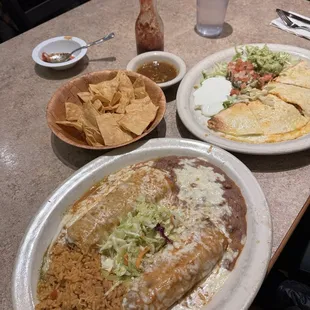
(208, 194)
(202, 187)
(199, 185)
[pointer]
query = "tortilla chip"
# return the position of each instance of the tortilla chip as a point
(85, 96)
(126, 91)
(138, 120)
(90, 114)
(125, 85)
(108, 88)
(139, 88)
(117, 96)
(141, 101)
(139, 83)
(138, 104)
(124, 101)
(93, 89)
(111, 132)
(93, 136)
(118, 117)
(97, 104)
(85, 122)
(109, 108)
(140, 93)
(104, 100)
(134, 122)
(77, 125)
(73, 111)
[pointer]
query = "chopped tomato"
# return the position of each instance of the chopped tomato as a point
(244, 79)
(234, 91)
(242, 73)
(44, 57)
(267, 77)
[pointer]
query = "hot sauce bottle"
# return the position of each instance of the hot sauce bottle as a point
(149, 28)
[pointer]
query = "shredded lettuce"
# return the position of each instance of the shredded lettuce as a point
(220, 69)
(247, 94)
(137, 239)
(229, 102)
(239, 54)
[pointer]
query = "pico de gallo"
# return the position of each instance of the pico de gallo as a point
(242, 74)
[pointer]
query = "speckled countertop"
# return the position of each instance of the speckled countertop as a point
(34, 162)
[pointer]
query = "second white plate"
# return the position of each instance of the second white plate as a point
(195, 121)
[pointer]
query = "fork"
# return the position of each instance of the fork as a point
(290, 23)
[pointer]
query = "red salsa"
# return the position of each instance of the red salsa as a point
(46, 57)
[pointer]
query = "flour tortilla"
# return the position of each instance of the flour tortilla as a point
(238, 120)
(276, 116)
(293, 94)
(298, 75)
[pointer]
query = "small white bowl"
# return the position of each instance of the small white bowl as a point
(65, 44)
(172, 59)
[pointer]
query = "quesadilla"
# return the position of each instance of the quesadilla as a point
(238, 120)
(281, 112)
(298, 75)
(276, 116)
(274, 119)
(299, 96)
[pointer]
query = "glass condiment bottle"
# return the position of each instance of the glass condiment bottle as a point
(149, 28)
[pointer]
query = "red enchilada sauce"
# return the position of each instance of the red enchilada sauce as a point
(149, 28)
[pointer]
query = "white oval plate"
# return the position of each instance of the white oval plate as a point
(244, 281)
(194, 120)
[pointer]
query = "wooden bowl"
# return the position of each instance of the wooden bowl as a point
(68, 92)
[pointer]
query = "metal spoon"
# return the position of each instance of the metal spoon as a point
(62, 57)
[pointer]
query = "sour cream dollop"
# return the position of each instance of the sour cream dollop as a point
(210, 96)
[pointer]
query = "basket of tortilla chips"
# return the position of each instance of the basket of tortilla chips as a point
(106, 109)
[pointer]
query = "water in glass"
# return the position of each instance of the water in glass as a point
(210, 17)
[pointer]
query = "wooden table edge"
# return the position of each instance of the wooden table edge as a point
(288, 234)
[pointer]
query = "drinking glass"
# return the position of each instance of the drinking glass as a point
(210, 17)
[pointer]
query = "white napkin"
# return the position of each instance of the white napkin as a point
(298, 32)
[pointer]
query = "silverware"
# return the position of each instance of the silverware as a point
(289, 23)
(62, 57)
(292, 15)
